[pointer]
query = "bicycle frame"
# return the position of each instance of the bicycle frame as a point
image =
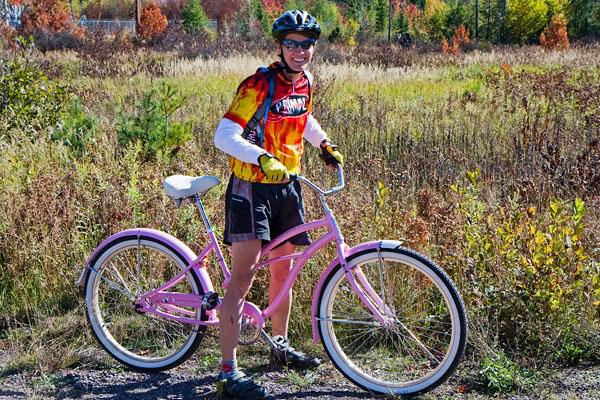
(161, 302)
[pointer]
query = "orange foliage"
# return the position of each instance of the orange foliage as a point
(223, 10)
(555, 35)
(506, 68)
(412, 12)
(7, 37)
(46, 15)
(152, 22)
(273, 8)
(461, 35)
(449, 49)
(460, 38)
(397, 6)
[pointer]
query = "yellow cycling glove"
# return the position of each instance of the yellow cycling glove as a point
(330, 153)
(273, 169)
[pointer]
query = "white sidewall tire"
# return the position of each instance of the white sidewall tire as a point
(104, 337)
(453, 301)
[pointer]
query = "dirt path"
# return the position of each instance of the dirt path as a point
(194, 380)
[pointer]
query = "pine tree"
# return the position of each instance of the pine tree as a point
(400, 23)
(193, 17)
(580, 14)
(381, 15)
(259, 13)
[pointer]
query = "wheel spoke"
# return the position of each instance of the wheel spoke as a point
(416, 339)
(405, 354)
(121, 289)
(349, 321)
(136, 338)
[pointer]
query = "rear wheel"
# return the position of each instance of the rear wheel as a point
(424, 336)
(126, 268)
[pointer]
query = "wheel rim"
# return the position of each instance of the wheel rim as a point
(419, 343)
(138, 339)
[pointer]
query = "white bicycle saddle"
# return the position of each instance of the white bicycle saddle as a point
(181, 186)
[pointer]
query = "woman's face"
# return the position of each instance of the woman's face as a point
(297, 57)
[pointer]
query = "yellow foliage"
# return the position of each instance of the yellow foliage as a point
(432, 7)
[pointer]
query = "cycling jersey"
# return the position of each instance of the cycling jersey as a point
(286, 121)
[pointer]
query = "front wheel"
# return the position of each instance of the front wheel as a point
(423, 336)
(126, 268)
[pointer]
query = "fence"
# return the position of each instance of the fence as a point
(107, 25)
(12, 15)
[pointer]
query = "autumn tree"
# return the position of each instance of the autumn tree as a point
(46, 16)
(222, 10)
(152, 21)
(555, 35)
(274, 8)
(435, 18)
(460, 38)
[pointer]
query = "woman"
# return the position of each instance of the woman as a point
(261, 202)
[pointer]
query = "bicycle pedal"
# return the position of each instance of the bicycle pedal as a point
(137, 307)
(210, 301)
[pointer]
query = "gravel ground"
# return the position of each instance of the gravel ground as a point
(194, 380)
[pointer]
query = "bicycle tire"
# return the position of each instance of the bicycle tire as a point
(425, 340)
(141, 341)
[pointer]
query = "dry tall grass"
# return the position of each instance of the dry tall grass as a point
(527, 118)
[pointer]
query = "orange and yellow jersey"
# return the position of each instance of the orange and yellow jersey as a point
(286, 120)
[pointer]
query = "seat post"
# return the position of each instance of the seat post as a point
(200, 208)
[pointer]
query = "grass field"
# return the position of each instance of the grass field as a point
(489, 162)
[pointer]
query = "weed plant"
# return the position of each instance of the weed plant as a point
(519, 236)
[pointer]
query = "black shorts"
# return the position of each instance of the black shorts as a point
(262, 211)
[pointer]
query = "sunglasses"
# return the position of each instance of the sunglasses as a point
(292, 44)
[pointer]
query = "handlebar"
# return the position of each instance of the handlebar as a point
(340, 186)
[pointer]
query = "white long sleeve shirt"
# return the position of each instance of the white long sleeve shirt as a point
(228, 138)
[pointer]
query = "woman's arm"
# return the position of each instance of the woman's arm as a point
(313, 132)
(228, 138)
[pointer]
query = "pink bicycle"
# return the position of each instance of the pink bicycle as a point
(389, 318)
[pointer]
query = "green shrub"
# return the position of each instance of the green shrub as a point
(499, 374)
(571, 352)
(76, 130)
(152, 125)
(532, 280)
(193, 17)
(29, 101)
(526, 19)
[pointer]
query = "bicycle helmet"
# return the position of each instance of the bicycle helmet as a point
(296, 21)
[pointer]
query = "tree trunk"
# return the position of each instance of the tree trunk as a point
(138, 14)
(389, 22)
(477, 19)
